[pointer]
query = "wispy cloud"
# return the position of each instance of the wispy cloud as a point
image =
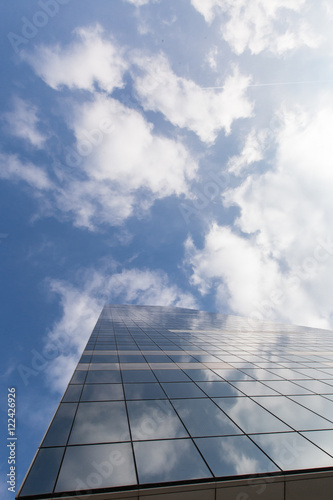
(23, 122)
(261, 25)
(186, 104)
(93, 59)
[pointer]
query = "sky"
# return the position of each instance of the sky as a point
(157, 152)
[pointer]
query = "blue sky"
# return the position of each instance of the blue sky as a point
(170, 152)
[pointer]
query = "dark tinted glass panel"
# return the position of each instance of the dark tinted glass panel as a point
(102, 392)
(233, 456)
(292, 451)
(171, 376)
(144, 391)
(154, 420)
(103, 377)
(219, 389)
(43, 473)
(138, 376)
(131, 358)
(96, 466)
(79, 377)
(157, 358)
(85, 358)
(183, 390)
(171, 460)
(58, 431)
(104, 358)
(72, 393)
(203, 418)
(100, 422)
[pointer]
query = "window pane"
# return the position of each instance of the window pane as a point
(144, 391)
(154, 420)
(58, 431)
(183, 390)
(100, 422)
(292, 451)
(234, 456)
(170, 460)
(44, 472)
(96, 466)
(103, 377)
(203, 418)
(102, 392)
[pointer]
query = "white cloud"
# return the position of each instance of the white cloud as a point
(82, 304)
(126, 166)
(186, 104)
(92, 59)
(252, 152)
(117, 167)
(261, 25)
(23, 122)
(279, 265)
(139, 3)
(11, 168)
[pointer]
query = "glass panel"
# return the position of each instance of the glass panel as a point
(250, 416)
(233, 456)
(85, 358)
(72, 393)
(154, 420)
(232, 375)
(218, 389)
(183, 390)
(171, 376)
(104, 358)
(291, 451)
(167, 461)
(323, 439)
(138, 376)
(131, 358)
(316, 386)
(102, 392)
(293, 414)
(96, 466)
(316, 403)
(286, 388)
(103, 377)
(254, 388)
(157, 358)
(100, 422)
(78, 377)
(203, 418)
(44, 472)
(144, 391)
(202, 375)
(58, 431)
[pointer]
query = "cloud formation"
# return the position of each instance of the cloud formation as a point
(23, 121)
(261, 25)
(93, 59)
(186, 104)
(277, 262)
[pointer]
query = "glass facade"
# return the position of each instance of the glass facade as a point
(165, 396)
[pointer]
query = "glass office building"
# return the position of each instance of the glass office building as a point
(170, 403)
